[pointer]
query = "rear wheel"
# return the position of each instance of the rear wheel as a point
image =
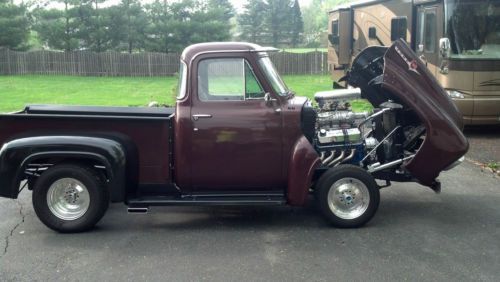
(70, 198)
(348, 196)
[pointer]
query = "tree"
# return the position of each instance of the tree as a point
(315, 17)
(277, 20)
(93, 28)
(127, 25)
(14, 25)
(296, 24)
(251, 21)
(158, 31)
(178, 24)
(58, 29)
(225, 8)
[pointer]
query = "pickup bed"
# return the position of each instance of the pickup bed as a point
(237, 136)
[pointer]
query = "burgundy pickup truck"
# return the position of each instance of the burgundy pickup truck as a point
(237, 136)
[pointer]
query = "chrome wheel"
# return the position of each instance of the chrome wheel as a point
(348, 198)
(68, 199)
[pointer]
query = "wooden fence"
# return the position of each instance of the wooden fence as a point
(86, 63)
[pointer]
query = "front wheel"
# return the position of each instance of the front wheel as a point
(70, 198)
(348, 196)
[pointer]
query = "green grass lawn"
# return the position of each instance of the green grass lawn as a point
(17, 91)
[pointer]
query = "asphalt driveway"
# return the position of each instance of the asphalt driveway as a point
(416, 235)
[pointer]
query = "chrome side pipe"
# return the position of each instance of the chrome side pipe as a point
(338, 159)
(351, 155)
(329, 158)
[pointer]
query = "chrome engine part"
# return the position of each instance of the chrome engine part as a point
(339, 135)
(339, 119)
(335, 122)
(376, 141)
(335, 100)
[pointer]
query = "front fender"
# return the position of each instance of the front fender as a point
(303, 162)
(17, 154)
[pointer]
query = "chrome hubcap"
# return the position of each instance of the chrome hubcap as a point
(348, 198)
(68, 199)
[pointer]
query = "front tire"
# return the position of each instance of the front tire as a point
(348, 196)
(70, 198)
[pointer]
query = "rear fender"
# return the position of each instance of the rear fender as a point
(16, 155)
(304, 160)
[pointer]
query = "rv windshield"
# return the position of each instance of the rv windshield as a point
(473, 28)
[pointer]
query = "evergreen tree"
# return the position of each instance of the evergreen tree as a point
(56, 28)
(94, 24)
(159, 31)
(127, 25)
(178, 24)
(14, 25)
(251, 21)
(277, 20)
(296, 24)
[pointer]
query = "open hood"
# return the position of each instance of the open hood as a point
(396, 73)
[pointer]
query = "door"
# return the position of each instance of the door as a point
(236, 134)
(428, 30)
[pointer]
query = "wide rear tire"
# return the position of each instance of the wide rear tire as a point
(348, 196)
(70, 198)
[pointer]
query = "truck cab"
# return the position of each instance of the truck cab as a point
(233, 114)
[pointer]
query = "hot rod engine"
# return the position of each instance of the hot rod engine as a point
(377, 140)
(338, 136)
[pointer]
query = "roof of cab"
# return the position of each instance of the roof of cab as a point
(194, 50)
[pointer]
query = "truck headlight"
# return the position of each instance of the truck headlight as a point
(455, 94)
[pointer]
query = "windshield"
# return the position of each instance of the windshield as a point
(273, 76)
(181, 83)
(473, 28)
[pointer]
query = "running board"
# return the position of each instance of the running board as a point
(207, 200)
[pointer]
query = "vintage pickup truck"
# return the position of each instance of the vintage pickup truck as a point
(237, 136)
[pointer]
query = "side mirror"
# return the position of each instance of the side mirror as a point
(268, 99)
(444, 47)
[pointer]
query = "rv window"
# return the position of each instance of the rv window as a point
(334, 36)
(430, 32)
(473, 28)
(399, 25)
(426, 31)
(372, 32)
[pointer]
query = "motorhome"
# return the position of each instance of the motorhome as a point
(458, 40)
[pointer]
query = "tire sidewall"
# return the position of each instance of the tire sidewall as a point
(326, 183)
(97, 197)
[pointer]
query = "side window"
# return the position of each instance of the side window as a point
(221, 80)
(182, 82)
(253, 89)
(227, 80)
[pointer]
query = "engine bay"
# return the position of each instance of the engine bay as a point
(381, 139)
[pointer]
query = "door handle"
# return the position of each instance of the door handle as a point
(198, 116)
